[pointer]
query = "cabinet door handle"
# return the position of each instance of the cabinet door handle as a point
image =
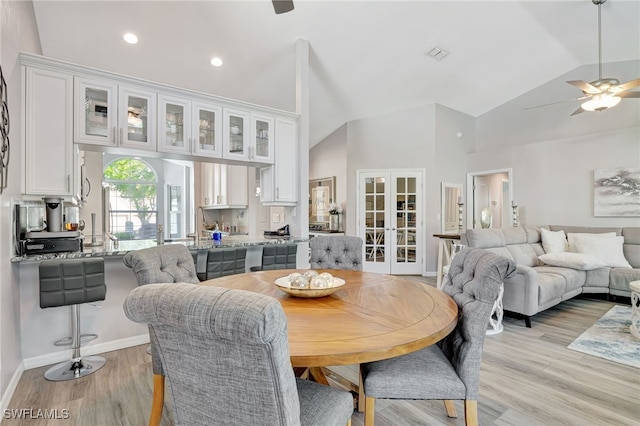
(121, 136)
(278, 193)
(68, 183)
(114, 135)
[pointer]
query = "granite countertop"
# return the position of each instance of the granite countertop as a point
(124, 247)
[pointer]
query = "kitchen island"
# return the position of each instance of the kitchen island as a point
(40, 328)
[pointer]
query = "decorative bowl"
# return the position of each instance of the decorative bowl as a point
(308, 293)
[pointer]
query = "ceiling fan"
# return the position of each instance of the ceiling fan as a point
(282, 6)
(603, 93)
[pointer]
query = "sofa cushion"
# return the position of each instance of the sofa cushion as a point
(598, 277)
(631, 245)
(578, 261)
(554, 241)
(524, 254)
(550, 287)
(619, 278)
(485, 238)
(514, 235)
(585, 229)
(573, 277)
(608, 249)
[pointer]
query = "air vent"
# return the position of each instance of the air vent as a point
(437, 53)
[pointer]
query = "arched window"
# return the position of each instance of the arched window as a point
(133, 188)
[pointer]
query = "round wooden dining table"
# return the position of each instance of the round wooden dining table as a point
(371, 317)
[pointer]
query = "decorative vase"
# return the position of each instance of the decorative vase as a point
(334, 222)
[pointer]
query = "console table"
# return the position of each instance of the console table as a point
(445, 250)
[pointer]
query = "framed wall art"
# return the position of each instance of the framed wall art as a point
(322, 192)
(616, 192)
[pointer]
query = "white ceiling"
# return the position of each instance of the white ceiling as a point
(367, 57)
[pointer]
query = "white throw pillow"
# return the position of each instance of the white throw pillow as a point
(554, 241)
(567, 259)
(571, 238)
(608, 249)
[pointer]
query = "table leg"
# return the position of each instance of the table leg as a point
(498, 312)
(441, 248)
(635, 313)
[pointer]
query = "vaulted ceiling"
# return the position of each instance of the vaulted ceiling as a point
(366, 57)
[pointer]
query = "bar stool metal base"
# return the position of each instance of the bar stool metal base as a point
(74, 368)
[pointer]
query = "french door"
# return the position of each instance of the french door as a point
(390, 217)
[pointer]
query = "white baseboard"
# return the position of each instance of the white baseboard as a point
(114, 345)
(430, 274)
(11, 388)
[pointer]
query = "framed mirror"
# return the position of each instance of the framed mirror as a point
(449, 207)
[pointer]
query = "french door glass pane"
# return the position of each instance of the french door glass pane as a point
(375, 219)
(406, 219)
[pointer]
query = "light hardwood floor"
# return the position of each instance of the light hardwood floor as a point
(528, 377)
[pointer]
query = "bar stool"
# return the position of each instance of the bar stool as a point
(71, 283)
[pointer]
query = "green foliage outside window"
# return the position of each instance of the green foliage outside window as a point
(136, 182)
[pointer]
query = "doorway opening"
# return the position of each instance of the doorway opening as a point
(489, 198)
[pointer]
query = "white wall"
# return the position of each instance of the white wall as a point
(18, 33)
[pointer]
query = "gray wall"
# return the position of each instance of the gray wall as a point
(329, 158)
(18, 33)
(553, 179)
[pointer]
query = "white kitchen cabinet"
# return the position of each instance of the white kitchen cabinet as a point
(279, 182)
(206, 129)
(174, 124)
(109, 114)
(95, 109)
(224, 186)
(137, 118)
(49, 157)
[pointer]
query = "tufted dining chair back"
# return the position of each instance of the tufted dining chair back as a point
(169, 263)
(241, 339)
(450, 369)
(340, 252)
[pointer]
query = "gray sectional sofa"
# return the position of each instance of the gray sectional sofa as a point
(538, 286)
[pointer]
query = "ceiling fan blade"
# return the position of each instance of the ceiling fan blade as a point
(628, 85)
(584, 86)
(560, 102)
(630, 95)
(282, 6)
(578, 111)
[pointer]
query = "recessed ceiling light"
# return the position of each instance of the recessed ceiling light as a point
(130, 38)
(216, 62)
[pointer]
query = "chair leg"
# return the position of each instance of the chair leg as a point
(158, 400)
(349, 422)
(450, 407)
(470, 412)
(369, 410)
(361, 396)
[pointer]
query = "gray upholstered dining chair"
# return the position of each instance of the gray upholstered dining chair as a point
(226, 354)
(339, 252)
(170, 263)
(450, 369)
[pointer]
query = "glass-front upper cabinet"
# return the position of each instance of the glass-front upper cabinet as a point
(175, 124)
(95, 111)
(207, 129)
(137, 125)
(261, 149)
(236, 134)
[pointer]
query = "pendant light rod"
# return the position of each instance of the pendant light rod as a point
(599, 4)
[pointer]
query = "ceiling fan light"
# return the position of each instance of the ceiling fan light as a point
(601, 102)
